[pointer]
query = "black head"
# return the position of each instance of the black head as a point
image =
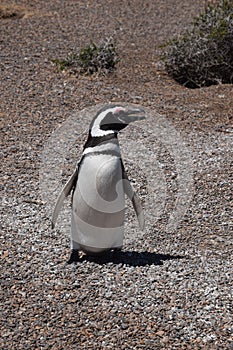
(112, 119)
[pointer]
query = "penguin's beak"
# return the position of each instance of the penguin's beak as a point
(133, 115)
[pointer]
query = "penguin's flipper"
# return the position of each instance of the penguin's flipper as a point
(132, 195)
(63, 194)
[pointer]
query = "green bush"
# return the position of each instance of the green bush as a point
(91, 59)
(203, 56)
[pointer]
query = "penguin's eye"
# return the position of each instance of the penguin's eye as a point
(119, 110)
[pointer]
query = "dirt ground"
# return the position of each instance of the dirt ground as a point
(164, 290)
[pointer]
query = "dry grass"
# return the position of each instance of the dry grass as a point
(13, 11)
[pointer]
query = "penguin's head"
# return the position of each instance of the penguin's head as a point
(112, 119)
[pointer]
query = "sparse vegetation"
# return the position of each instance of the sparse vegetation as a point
(91, 59)
(11, 11)
(203, 56)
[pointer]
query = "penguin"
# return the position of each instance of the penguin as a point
(99, 184)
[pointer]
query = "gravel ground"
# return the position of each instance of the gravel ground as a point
(168, 288)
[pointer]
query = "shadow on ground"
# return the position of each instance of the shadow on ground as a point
(131, 258)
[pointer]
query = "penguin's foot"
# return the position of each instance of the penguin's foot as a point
(74, 256)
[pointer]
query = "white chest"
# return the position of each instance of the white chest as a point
(100, 181)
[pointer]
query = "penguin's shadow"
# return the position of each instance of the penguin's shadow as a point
(131, 258)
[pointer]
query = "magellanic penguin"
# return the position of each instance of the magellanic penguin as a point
(99, 185)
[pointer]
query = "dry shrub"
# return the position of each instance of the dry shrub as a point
(203, 56)
(91, 59)
(11, 11)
